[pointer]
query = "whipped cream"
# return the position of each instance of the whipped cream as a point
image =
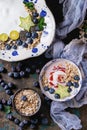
(10, 12)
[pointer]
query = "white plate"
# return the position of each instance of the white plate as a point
(46, 38)
(51, 96)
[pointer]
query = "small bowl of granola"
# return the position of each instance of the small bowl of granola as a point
(60, 80)
(26, 102)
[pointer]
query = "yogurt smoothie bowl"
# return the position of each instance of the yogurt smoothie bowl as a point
(25, 29)
(60, 80)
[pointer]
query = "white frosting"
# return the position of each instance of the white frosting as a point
(10, 11)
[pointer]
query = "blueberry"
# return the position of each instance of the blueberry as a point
(24, 98)
(10, 74)
(37, 28)
(1, 81)
(22, 73)
(29, 40)
(11, 97)
(69, 90)
(17, 121)
(46, 98)
(20, 128)
(26, 122)
(21, 124)
(3, 84)
(3, 101)
(57, 96)
(75, 84)
(34, 121)
(35, 14)
(9, 92)
(69, 83)
(35, 20)
(28, 34)
(14, 47)
(6, 87)
(10, 85)
(76, 77)
(1, 107)
(16, 74)
(9, 102)
(34, 35)
(20, 64)
(51, 90)
(46, 88)
(2, 69)
(10, 117)
(19, 42)
(28, 70)
(32, 126)
(8, 47)
(44, 121)
(36, 84)
(25, 45)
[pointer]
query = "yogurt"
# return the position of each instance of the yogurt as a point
(10, 12)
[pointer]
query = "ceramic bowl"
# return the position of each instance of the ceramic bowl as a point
(45, 41)
(23, 114)
(51, 76)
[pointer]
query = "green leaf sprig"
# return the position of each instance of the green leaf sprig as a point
(29, 5)
(41, 23)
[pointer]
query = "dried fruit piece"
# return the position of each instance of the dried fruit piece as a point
(3, 37)
(14, 35)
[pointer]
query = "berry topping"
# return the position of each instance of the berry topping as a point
(75, 84)
(46, 88)
(51, 90)
(76, 77)
(23, 98)
(57, 96)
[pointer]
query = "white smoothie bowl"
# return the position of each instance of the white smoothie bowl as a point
(46, 37)
(56, 80)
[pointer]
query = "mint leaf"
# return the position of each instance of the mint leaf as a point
(7, 109)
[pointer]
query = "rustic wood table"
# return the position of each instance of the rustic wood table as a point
(5, 124)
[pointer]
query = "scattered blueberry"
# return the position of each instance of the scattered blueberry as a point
(69, 83)
(46, 88)
(9, 92)
(34, 35)
(11, 85)
(75, 84)
(10, 74)
(51, 90)
(9, 102)
(44, 121)
(19, 42)
(57, 96)
(37, 28)
(10, 117)
(3, 101)
(16, 75)
(36, 84)
(3, 84)
(6, 87)
(21, 124)
(28, 70)
(8, 47)
(28, 34)
(26, 122)
(76, 77)
(69, 89)
(43, 13)
(16, 121)
(11, 97)
(32, 126)
(34, 121)
(24, 98)
(1, 107)
(22, 73)
(2, 69)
